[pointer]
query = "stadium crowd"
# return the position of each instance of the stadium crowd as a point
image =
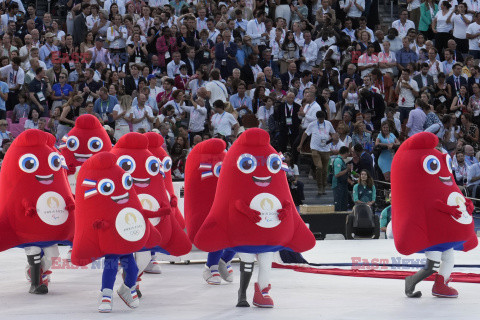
(324, 77)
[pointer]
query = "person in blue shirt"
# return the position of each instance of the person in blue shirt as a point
(61, 91)
(3, 99)
(405, 55)
(104, 106)
(240, 101)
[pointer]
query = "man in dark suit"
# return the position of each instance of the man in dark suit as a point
(191, 62)
(247, 72)
(289, 75)
(80, 25)
(423, 79)
(365, 161)
(225, 53)
(374, 103)
(456, 80)
(475, 78)
(286, 117)
(131, 81)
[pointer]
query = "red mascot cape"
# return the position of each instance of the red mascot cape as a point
(429, 212)
(253, 210)
(109, 216)
(36, 206)
(86, 138)
(161, 154)
(201, 176)
(148, 181)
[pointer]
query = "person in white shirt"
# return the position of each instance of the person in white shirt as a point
(441, 26)
(93, 18)
(434, 66)
(264, 113)
(121, 5)
(256, 29)
(354, 8)
(407, 91)
(141, 116)
(212, 32)
(403, 24)
(216, 90)
(321, 132)
(202, 19)
(309, 52)
(309, 111)
(386, 59)
(10, 15)
(146, 21)
(473, 36)
(198, 115)
(173, 67)
(223, 122)
(460, 21)
(117, 34)
(120, 114)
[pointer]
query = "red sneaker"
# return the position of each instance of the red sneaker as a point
(442, 290)
(261, 298)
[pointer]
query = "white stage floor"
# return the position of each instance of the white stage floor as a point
(181, 293)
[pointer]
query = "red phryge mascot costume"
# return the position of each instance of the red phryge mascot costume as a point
(429, 212)
(201, 176)
(148, 181)
(155, 146)
(36, 206)
(111, 222)
(86, 138)
(161, 154)
(253, 212)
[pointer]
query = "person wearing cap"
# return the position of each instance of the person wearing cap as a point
(321, 132)
(48, 50)
(99, 53)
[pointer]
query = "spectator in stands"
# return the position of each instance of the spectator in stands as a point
(469, 130)
(441, 26)
(67, 117)
(470, 155)
(341, 171)
(296, 186)
(364, 191)
(223, 122)
(32, 121)
(320, 132)
(365, 161)
(417, 117)
(460, 169)
(120, 115)
(4, 133)
(387, 142)
(22, 109)
(407, 91)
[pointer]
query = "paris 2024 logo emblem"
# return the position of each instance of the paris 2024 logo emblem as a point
(51, 208)
(130, 224)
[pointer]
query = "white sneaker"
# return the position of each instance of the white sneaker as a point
(226, 271)
(153, 267)
(129, 295)
(106, 302)
(211, 275)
